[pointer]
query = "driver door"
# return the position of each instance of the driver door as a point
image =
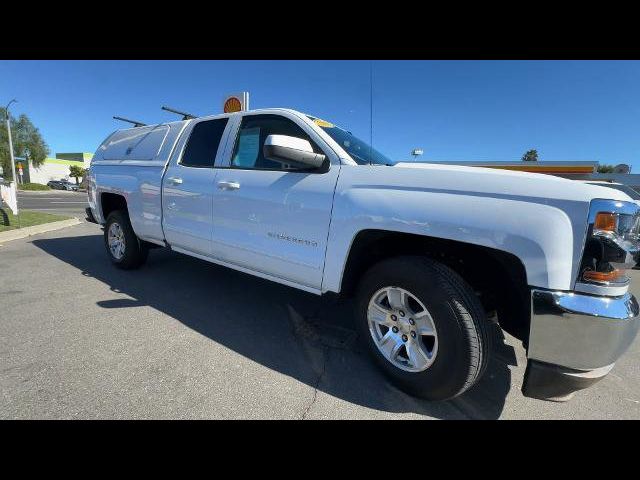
(269, 217)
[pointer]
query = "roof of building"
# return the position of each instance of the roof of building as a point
(554, 167)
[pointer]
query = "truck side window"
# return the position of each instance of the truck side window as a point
(254, 130)
(203, 143)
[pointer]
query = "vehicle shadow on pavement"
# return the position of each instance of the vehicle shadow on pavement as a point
(300, 335)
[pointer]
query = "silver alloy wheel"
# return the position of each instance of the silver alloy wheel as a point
(115, 238)
(402, 329)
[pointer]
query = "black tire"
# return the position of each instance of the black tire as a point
(464, 337)
(135, 251)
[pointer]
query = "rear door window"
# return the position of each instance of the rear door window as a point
(203, 143)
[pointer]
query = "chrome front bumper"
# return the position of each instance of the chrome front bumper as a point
(575, 339)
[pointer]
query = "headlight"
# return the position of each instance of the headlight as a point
(611, 246)
(620, 225)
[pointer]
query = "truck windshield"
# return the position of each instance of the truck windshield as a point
(361, 152)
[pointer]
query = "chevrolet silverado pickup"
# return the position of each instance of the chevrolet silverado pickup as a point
(433, 255)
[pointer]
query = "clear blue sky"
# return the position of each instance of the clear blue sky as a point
(454, 110)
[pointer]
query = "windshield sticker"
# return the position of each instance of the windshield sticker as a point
(323, 123)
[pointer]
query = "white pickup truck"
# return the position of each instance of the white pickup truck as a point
(432, 254)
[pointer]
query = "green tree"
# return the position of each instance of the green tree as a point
(606, 168)
(530, 156)
(77, 171)
(27, 142)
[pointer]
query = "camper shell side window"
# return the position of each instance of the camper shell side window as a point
(141, 143)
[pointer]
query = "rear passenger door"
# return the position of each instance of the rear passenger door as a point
(188, 188)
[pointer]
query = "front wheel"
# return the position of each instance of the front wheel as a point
(424, 326)
(124, 248)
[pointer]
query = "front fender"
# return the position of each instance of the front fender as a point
(541, 234)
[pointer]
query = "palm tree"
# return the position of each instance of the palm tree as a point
(77, 171)
(530, 156)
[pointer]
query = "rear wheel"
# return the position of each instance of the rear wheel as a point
(424, 326)
(124, 248)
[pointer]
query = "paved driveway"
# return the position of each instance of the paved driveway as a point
(181, 338)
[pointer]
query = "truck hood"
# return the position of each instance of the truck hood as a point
(498, 182)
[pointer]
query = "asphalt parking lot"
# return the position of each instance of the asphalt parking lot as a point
(59, 202)
(182, 338)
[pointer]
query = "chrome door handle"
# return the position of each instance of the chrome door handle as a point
(175, 180)
(228, 185)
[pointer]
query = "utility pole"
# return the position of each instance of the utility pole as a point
(13, 161)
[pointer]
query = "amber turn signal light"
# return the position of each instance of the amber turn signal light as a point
(606, 222)
(611, 276)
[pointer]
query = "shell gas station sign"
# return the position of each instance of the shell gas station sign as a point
(237, 102)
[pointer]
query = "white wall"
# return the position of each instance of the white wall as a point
(50, 171)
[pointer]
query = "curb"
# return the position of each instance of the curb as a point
(36, 229)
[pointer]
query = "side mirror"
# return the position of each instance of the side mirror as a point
(293, 151)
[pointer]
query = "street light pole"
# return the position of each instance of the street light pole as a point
(13, 161)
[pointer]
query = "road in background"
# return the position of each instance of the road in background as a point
(182, 338)
(60, 202)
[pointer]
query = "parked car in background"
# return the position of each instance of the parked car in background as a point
(62, 185)
(69, 185)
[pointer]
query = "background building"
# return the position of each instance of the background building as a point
(574, 170)
(57, 168)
